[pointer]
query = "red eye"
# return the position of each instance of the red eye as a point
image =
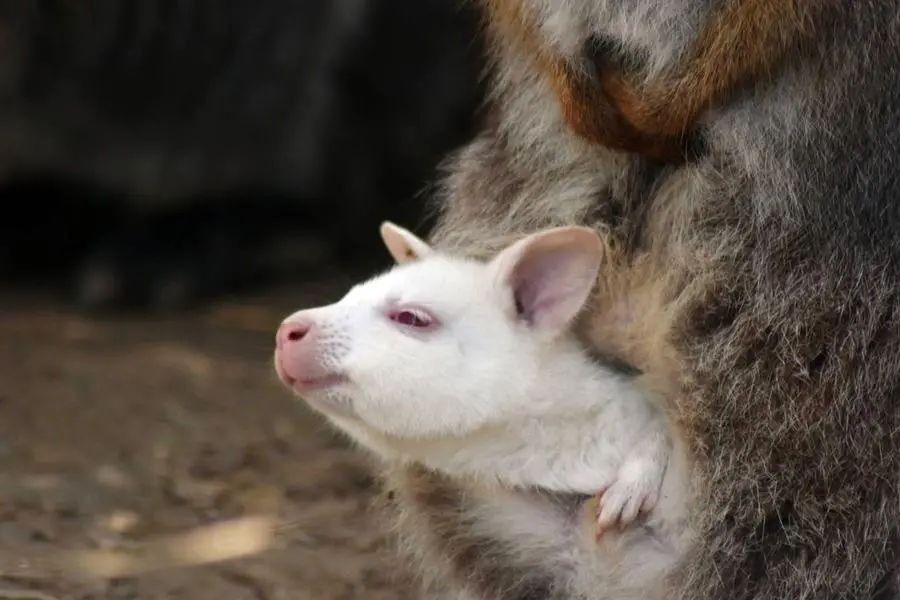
(412, 317)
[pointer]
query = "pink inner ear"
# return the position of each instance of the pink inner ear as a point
(399, 248)
(550, 285)
(531, 284)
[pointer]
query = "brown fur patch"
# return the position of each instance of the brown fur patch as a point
(586, 106)
(745, 43)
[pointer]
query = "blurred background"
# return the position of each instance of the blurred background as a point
(177, 177)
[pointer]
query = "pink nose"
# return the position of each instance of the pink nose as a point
(297, 351)
(293, 332)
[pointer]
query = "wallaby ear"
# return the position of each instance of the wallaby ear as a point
(403, 245)
(550, 275)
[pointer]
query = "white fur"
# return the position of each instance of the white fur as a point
(490, 394)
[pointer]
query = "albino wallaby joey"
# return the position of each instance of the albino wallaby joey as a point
(469, 368)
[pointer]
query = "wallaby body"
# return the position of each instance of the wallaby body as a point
(469, 369)
(756, 285)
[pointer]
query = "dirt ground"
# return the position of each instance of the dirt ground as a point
(121, 439)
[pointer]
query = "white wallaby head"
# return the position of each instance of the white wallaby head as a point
(440, 345)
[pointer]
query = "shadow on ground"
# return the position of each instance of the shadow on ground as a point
(122, 439)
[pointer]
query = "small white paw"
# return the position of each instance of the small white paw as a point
(635, 490)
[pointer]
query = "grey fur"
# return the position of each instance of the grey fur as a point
(782, 265)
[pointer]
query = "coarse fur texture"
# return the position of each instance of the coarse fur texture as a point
(225, 131)
(739, 44)
(758, 288)
(587, 107)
